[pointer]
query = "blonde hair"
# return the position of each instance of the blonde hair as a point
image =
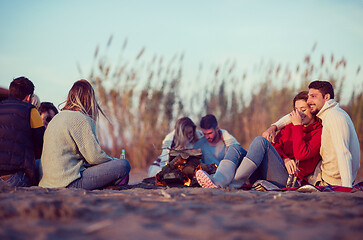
(82, 98)
(180, 139)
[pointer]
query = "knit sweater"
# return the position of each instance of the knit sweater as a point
(70, 144)
(340, 149)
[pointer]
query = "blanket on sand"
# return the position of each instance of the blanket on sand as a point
(263, 185)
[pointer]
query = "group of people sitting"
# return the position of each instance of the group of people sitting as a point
(297, 145)
(50, 149)
(65, 154)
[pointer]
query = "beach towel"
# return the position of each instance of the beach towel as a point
(263, 185)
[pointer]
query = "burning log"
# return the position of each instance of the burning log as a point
(182, 167)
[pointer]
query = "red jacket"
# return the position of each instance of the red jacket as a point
(302, 143)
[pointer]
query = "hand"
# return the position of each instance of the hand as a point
(290, 165)
(295, 118)
(270, 133)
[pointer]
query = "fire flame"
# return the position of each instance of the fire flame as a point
(181, 166)
(187, 182)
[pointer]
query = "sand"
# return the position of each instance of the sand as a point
(146, 212)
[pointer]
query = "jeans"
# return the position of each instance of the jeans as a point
(270, 165)
(19, 179)
(102, 175)
(235, 153)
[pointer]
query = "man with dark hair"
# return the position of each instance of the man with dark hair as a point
(21, 88)
(209, 121)
(340, 149)
(220, 148)
(47, 111)
(21, 135)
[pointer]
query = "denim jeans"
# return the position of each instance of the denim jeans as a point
(102, 175)
(235, 153)
(270, 165)
(19, 179)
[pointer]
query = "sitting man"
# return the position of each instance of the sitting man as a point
(21, 135)
(47, 111)
(339, 149)
(221, 148)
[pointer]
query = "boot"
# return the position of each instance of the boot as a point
(244, 171)
(221, 178)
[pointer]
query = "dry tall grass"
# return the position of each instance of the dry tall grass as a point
(143, 98)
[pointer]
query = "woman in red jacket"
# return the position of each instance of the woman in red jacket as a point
(296, 151)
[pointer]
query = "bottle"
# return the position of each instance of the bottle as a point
(290, 180)
(122, 156)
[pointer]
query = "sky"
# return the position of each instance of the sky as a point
(45, 40)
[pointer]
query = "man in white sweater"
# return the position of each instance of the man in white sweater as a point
(340, 149)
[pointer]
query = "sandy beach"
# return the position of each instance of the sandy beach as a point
(146, 212)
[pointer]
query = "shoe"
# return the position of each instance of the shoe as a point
(244, 171)
(204, 179)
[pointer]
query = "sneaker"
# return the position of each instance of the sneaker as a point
(204, 179)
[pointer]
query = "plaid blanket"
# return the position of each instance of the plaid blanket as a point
(263, 185)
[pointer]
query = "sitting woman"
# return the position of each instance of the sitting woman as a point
(184, 136)
(296, 150)
(72, 156)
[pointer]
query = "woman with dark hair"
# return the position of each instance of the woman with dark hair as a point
(184, 136)
(72, 156)
(295, 152)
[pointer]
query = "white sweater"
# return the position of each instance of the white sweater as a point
(70, 144)
(340, 149)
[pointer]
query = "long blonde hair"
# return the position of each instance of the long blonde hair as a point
(180, 139)
(82, 98)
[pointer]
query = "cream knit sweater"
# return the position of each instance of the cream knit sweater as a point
(339, 149)
(70, 144)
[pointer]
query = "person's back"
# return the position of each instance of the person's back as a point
(72, 156)
(21, 134)
(61, 155)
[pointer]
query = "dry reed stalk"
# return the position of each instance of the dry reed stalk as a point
(144, 98)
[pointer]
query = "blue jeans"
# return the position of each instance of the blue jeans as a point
(235, 153)
(270, 165)
(102, 175)
(19, 179)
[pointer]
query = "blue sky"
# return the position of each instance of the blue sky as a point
(44, 40)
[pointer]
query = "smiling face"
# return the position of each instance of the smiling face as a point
(316, 100)
(305, 112)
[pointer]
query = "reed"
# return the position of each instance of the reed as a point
(143, 96)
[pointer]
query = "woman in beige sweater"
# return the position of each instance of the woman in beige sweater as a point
(72, 156)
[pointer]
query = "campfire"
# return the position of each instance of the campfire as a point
(182, 167)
